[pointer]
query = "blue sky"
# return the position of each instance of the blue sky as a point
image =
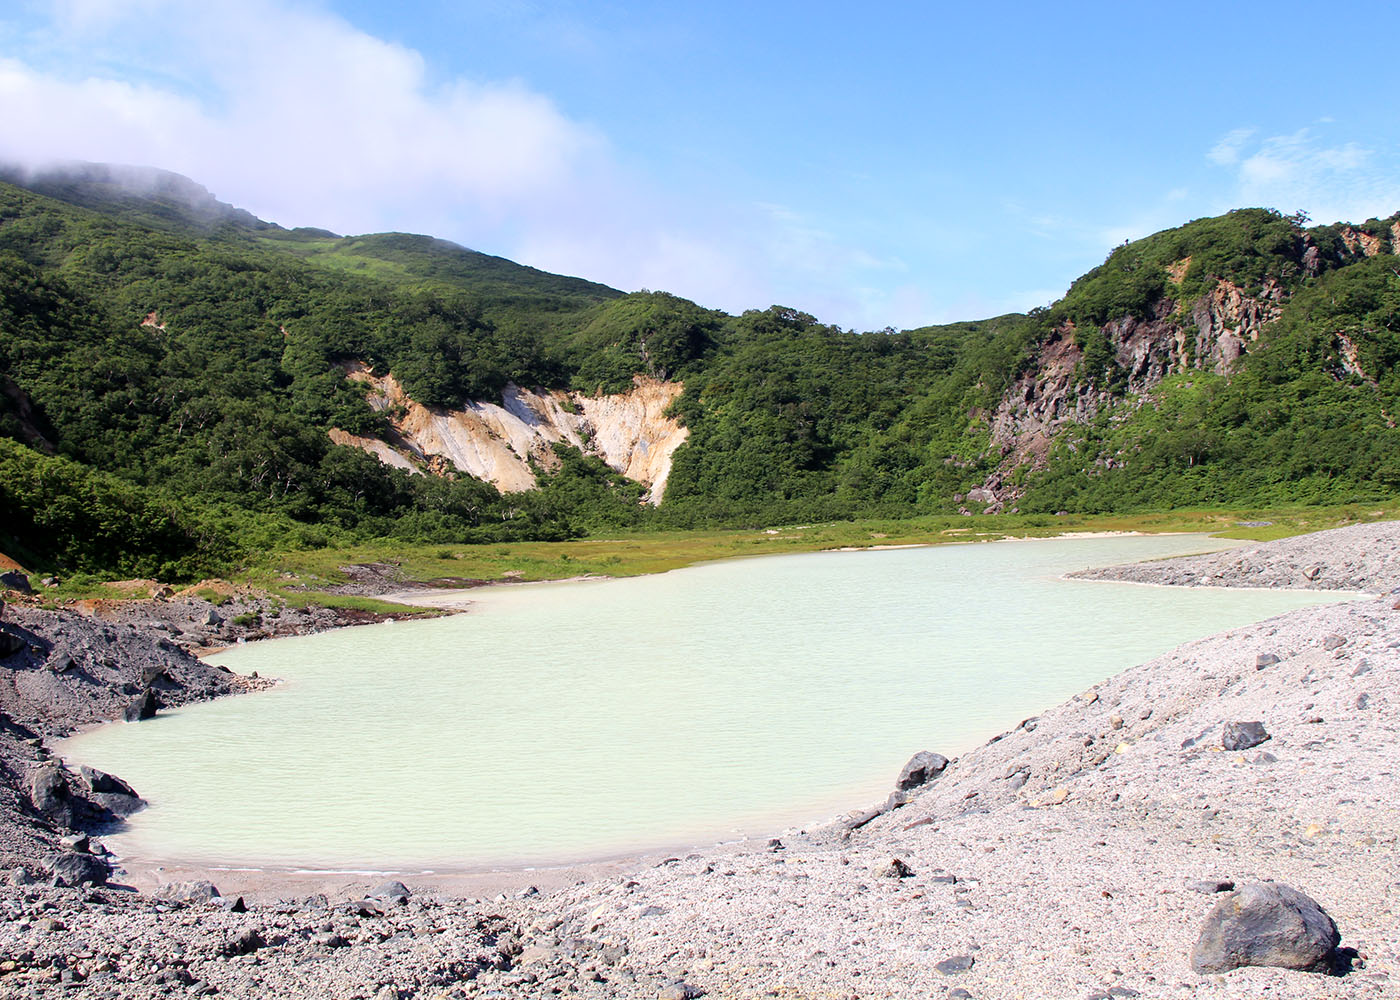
(914, 163)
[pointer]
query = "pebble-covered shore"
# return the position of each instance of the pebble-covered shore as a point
(1075, 856)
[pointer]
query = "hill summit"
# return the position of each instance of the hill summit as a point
(175, 386)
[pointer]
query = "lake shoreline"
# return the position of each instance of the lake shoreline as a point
(1053, 860)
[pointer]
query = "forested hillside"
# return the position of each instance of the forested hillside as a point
(171, 369)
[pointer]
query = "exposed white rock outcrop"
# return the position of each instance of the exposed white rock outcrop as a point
(497, 442)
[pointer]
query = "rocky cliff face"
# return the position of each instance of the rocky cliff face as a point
(1210, 335)
(497, 442)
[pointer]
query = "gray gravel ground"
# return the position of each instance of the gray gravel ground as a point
(1358, 557)
(1058, 860)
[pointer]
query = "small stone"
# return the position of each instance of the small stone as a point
(1364, 667)
(243, 942)
(1210, 885)
(1115, 721)
(1264, 660)
(680, 991)
(955, 965)
(775, 845)
(1125, 992)
(896, 868)
(1363, 700)
(1243, 735)
(1264, 757)
(1266, 924)
(1333, 641)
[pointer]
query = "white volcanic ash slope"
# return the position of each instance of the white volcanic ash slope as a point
(629, 431)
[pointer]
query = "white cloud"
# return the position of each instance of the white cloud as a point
(1227, 150)
(1341, 182)
(293, 113)
(310, 121)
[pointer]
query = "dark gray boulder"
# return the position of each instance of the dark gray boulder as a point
(75, 869)
(395, 892)
(143, 706)
(48, 792)
(1266, 923)
(10, 644)
(101, 781)
(1243, 735)
(922, 768)
(16, 581)
(1265, 660)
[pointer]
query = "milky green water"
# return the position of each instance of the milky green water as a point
(569, 721)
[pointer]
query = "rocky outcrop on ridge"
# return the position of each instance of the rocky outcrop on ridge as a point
(1052, 394)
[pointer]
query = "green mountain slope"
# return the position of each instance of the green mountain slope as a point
(159, 347)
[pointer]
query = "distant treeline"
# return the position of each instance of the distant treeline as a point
(166, 386)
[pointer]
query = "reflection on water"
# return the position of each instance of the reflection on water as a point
(573, 720)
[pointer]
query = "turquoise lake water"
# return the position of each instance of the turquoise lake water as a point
(563, 722)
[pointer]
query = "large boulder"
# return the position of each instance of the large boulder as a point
(200, 891)
(394, 892)
(1266, 923)
(16, 581)
(48, 792)
(111, 793)
(10, 643)
(922, 768)
(143, 706)
(75, 868)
